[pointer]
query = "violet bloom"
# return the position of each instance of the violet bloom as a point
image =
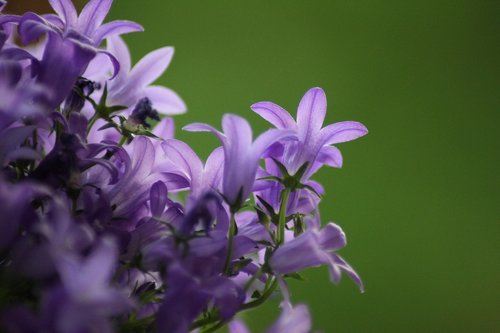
(314, 144)
(86, 28)
(241, 154)
(314, 248)
(86, 302)
(132, 84)
(201, 177)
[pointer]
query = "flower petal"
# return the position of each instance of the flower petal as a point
(185, 159)
(274, 114)
(330, 155)
(165, 100)
(117, 47)
(113, 28)
(66, 10)
(151, 67)
(269, 137)
(158, 198)
(93, 15)
(200, 127)
(343, 131)
(165, 129)
(214, 167)
(293, 320)
(311, 113)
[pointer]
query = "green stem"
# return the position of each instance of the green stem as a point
(232, 231)
(214, 328)
(282, 218)
(252, 280)
(122, 140)
(92, 121)
(263, 298)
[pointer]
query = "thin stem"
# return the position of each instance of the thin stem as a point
(232, 231)
(92, 121)
(122, 140)
(252, 279)
(282, 217)
(215, 327)
(263, 298)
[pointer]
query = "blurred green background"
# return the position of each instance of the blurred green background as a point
(419, 197)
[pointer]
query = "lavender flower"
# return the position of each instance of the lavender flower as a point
(314, 248)
(241, 154)
(110, 228)
(314, 141)
(85, 28)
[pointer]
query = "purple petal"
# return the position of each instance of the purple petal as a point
(66, 10)
(31, 26)
(117, 47)
(11, 139)
(165, 129)
(269, 137)
(165, 100)
(330, 155)
(200, 127)
(158, 198)
(114, 62)
(299, 253)
(151, 67)
(292, 320)
(214, 167)
(185, 158)
(54, 19)
(311, 113)
(93, 15)
(115, 28)
(342, 264)
(274, 114)
(237, 326)
(227, 296)
(342, 132)
(332, 237)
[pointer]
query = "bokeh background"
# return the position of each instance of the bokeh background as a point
(419, 197)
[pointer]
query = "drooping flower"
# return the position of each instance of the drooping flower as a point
(241, 154)
(314, 248)
(314, 140)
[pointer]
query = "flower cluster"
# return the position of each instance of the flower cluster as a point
(111, 224)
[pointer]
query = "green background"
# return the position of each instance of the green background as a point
(419, 196)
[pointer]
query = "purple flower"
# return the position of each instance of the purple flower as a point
(87, 302)
(241, 154)
(314, 141)
(132, 84)
(314, 248)
(86, 28)
(186, 163)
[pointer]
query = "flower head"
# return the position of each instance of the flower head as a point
(314, 140)
(241, 154)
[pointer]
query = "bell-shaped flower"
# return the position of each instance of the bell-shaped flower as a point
(314, 248)
(241, 154)
(201, 177)
(314, 140)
